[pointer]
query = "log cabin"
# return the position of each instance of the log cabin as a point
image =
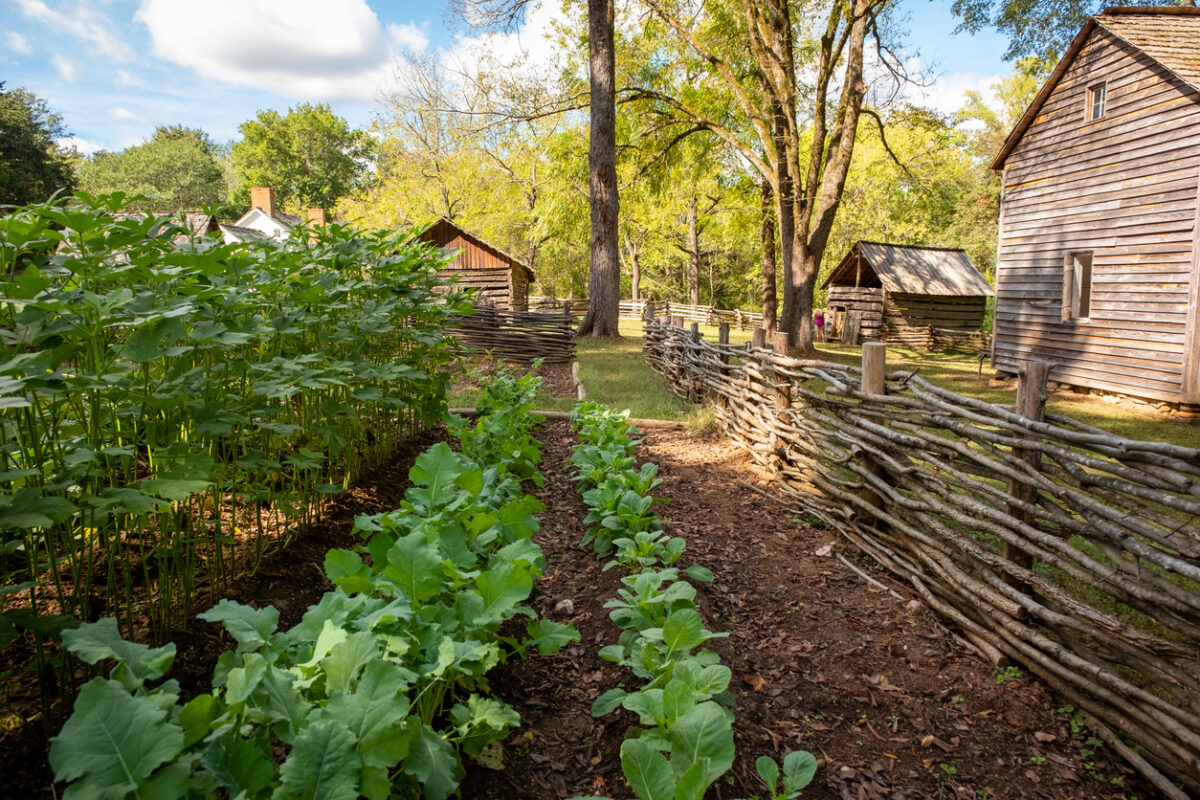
(905, 294)
(1098, 264)
(500, 280)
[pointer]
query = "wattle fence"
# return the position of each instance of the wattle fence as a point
(638, 309)
(1066, 549)
(520, 336)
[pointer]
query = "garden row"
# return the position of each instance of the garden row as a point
(380, 690)
(170, 406)
(683, 704)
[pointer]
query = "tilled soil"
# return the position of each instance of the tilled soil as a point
(876, 688)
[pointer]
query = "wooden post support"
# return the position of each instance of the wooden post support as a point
(741, 320)
(676, 321)
(1031, 403)
(759, 338)
(723, 337)
(567, 313)
(874, 371)
(783, 386)
(695, 331)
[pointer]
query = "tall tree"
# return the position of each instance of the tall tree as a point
(797, 118)
(179, 169)
(32, 165)
(310, 156)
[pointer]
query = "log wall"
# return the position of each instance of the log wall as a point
(867, 301)
(1123, 187)
(1061, 547)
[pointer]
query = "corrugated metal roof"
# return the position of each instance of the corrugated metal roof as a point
(912, 269)
(1170, 35)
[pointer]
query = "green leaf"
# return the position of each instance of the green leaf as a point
(136, 663)
(799, 768)
(433, 761)
(700, 574)
(111, 742)
(677, 700)
(551, 636)
(375, 713)
(768, 770)
(323, 765)
(503, 587)
(608, 702)
(415, 567)
(436, 468)
(683, 630)
(346, 569)
(250, 627)
(703, 732)
(197, 718)
(647, 770)
(239, 765)
(342, 664)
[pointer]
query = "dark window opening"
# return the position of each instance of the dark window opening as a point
(1097, 100)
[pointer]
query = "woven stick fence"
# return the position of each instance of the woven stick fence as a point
(1052, 544)
(520, 336)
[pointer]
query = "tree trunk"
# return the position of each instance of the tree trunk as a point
(693, 254)
(808, 262)
(769, 299)
(604, 286)
(635, 270)
(785, 208)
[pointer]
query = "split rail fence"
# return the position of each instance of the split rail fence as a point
(640, 309)
(520, 336)
(1050, 543)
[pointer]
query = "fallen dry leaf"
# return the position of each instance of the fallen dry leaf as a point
(1041, 736)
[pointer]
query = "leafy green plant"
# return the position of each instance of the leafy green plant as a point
(379, 691)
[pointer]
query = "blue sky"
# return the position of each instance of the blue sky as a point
(116, 69)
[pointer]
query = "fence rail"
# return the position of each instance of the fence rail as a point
(515, 335)
(637, 309)
(1062, 547)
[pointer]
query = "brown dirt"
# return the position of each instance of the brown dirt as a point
(822, 661)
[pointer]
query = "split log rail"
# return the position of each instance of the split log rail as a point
(520, 336)
(1052, 544)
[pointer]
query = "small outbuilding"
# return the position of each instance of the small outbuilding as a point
(904, 294)
(500, 280)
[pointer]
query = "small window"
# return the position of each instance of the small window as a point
(1097, 100)
(1077, 286)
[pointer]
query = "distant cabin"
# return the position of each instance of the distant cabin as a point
(1098, 263)
(499, 279)
(900, 293)
(265, 221)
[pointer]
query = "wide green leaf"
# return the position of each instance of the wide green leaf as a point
(136, 663)
(240, 765)
(250, 627)
(415, 567)
(682, 630)
(376, 713)
(433, 761)
(111, 742)
(647, 770)
(703, 732)
(551, 636)
(323, 765)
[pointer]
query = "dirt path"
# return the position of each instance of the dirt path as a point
(877, 689)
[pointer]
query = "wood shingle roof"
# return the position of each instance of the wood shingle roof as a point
(912, 269)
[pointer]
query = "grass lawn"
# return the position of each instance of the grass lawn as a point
(616, 374)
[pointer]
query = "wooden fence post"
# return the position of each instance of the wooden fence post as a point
(567, 313)
(759, 338)
(783, 386)
(676, 321)
(874, 370)
(1031, 403)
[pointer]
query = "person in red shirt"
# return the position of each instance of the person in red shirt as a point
(819, 322)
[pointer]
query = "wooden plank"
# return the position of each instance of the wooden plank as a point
(1190, 382)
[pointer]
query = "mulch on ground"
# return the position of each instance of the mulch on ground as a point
(876, 688)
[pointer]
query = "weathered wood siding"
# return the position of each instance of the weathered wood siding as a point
(909, 320)
(520, 289)
(1123, 187)
(498, 282)
(491, 285)
(869, 301)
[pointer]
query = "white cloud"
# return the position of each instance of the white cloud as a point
(83, 22)
(534, 45)
(948, 93)
(66, 68)
(408, 37)
(124, 114)
(19, 44)
(126, 79)
(84, 146)
(324, 50)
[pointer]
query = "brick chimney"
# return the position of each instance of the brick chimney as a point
(316, 216)
(262, 197)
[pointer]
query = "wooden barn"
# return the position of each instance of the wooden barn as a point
(904, 294)
(1098, 263)
(501, 280)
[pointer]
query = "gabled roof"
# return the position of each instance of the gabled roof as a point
(913, 269)
(428, 233)
(236, 233)
(1169, 35)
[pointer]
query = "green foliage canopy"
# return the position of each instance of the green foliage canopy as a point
(179, 169)
(32, 166)
(310, 156)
